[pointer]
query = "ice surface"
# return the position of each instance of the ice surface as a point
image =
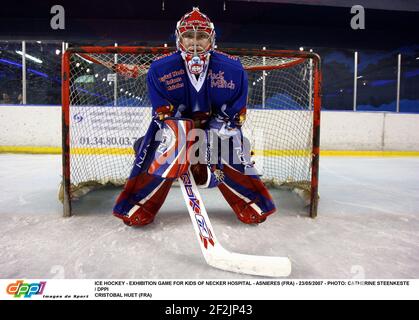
(367, 227)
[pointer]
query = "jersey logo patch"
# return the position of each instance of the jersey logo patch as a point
(218, 81)
(173, 80)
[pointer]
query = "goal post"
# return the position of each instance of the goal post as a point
(105, 108)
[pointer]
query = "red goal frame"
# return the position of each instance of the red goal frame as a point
(317, 78)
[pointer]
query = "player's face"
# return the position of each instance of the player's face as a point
(200, 39)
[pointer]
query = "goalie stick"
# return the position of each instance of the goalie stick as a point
(214, 254)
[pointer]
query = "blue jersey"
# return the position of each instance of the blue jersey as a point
(222, 91)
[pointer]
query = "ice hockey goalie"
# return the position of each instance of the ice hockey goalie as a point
(198, 98)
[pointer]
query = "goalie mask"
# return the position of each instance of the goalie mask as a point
(195, 38)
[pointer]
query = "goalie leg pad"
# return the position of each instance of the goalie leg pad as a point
(141, 199)
(152, 176)
(144, 149)
(247, 196)
(164, 150)
(171, 157)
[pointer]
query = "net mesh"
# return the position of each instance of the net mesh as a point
(110, 109)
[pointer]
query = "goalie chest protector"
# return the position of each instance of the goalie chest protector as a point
(221, 89)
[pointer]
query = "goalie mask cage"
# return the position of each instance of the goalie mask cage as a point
(105, 108)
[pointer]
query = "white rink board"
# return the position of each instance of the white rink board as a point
(115, 127)
(40, 126)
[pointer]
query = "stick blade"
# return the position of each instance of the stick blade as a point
(250, 264)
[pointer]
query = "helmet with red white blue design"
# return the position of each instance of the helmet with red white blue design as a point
(195, 38)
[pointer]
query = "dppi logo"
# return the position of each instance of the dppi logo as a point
(78, 117)
(27, 290)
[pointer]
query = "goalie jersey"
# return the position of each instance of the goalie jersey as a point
(220, 93)
(220, 89)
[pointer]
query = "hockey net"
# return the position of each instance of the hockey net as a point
(106, 108)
